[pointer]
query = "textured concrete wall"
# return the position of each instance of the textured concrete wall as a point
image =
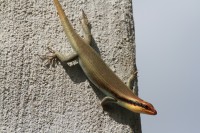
(34, 98)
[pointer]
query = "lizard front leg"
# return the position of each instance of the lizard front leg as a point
(131, 81)
(130, 84)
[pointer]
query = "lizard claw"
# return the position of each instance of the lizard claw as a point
(51, 50)
(134, 73)
(49, 58)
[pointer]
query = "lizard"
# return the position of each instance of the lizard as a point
(96, 70)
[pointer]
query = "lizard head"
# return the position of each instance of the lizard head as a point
(144, 107)
(138, 105)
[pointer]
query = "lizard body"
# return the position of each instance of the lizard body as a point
(96, 69)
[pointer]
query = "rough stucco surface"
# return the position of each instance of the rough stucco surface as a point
(34, 98)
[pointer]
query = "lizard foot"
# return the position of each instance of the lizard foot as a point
(50, 58)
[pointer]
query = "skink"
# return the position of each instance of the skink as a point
(95, 68)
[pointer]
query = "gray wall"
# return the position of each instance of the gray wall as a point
(34, 98)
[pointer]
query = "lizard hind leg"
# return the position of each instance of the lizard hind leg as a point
(86, 28)
(57, 56)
